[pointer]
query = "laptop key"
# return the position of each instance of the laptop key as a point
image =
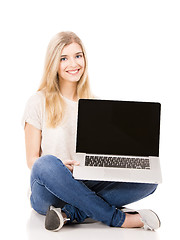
(117, 162)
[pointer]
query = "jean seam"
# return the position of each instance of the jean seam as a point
(36, 180)
(122, 216)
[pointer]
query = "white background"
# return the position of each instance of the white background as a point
(133, 49)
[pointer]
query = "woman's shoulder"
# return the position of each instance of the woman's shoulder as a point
(36, 102)
(37, 97)
(34, 110)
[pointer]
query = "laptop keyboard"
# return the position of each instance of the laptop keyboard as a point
(117, 162)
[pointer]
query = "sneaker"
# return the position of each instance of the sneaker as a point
(54, 219)
(150, 219)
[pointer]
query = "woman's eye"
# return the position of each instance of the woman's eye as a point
(78, 56)
(63, 59)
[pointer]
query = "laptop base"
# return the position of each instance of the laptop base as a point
(152, 175)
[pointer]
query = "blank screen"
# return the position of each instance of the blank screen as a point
(118, 127)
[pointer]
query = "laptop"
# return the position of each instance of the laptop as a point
(118, 141)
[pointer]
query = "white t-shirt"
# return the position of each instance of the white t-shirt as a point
(59, 141)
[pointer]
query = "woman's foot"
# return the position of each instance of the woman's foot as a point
(143, 218)
(132, 221)
(55, 219)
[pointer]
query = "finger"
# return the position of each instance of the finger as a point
(75, 162)
(67, 162)
(71, 162)
(69, 167)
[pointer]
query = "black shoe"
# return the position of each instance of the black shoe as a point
(54, 219)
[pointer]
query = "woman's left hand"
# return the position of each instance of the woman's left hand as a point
(70, 164)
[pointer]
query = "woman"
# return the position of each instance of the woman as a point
(50, 126)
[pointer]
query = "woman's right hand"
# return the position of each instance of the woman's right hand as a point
(70, 164)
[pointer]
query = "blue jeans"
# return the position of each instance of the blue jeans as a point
(52, 183)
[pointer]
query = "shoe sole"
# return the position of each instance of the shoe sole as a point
(54, 220)
(157, 218)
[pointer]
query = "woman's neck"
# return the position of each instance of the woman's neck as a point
(69, 90)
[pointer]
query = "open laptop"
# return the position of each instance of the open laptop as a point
(118, 141)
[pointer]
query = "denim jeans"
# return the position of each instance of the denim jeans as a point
(52, 183)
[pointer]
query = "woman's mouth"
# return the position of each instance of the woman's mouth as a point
(73, 72)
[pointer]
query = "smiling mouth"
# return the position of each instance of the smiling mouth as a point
(73, 71)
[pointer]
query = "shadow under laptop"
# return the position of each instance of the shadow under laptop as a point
(89, 229)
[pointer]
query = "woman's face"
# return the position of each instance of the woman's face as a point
(72, 63)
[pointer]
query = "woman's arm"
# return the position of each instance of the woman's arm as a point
(33, 144)
(33, 147)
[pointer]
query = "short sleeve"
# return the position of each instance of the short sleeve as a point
(33, 113)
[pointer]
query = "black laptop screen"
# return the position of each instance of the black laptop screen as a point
(118, 127)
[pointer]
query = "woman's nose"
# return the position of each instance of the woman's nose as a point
(73, 62)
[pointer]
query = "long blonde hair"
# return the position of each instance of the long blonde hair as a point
(55, 105)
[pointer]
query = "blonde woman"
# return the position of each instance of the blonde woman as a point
(50, 130)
